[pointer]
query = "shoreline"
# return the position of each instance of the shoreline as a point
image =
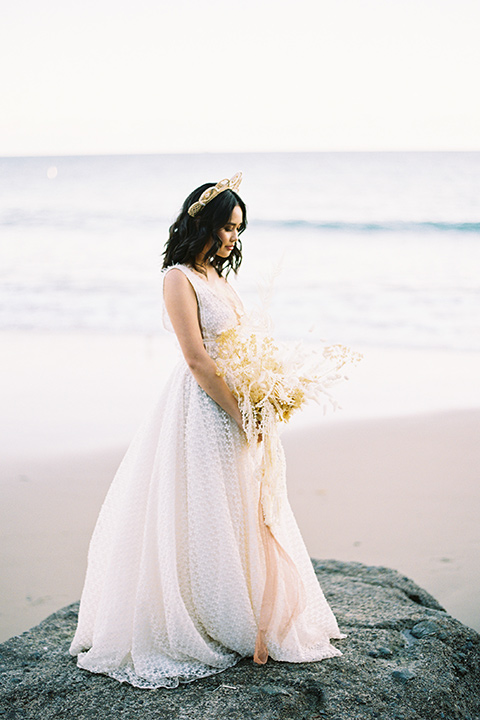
(83, 392)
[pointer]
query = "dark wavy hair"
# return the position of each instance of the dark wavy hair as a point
(188, 235)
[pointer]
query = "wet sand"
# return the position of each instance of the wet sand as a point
(401, 492)
(383, 482)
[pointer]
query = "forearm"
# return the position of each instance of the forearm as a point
(204, 370)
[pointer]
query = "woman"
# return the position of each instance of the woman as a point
(184, 576)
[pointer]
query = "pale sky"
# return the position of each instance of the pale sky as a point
(140, 76)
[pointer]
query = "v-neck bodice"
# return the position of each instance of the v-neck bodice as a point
(218, 310)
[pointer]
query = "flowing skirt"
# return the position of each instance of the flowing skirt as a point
(180, 560)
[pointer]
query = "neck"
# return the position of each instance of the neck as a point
(202, 264)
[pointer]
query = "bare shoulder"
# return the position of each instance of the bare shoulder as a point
(174, 274)
(175, 279)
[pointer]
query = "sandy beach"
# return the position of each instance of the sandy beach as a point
(392, 479)
(402, 492)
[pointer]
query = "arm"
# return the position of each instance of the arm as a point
(181, 305)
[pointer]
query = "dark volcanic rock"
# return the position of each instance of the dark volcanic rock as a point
(404, 659)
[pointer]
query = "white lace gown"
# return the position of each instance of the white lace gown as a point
(178, 561)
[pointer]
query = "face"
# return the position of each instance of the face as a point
(228, 235)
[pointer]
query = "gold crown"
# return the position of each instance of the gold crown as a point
(212, 192)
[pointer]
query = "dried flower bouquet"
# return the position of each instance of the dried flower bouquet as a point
(271, 381)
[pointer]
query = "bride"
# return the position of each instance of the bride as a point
(185, 574)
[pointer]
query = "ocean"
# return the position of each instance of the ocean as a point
(368, 248)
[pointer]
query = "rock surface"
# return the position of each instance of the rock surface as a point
(404, 658)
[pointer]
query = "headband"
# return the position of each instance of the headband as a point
(212, 192)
